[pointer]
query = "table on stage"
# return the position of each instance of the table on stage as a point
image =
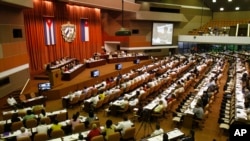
(126, 59)
(73, 72)
(95, 63)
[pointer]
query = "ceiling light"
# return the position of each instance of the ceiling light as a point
(230, 0)
(214, 1)
(221, 9)
(237, 8)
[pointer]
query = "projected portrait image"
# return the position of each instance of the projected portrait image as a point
(162, 33)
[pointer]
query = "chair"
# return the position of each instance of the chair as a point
(22, 97)
(82, 97)
(40, 137)
(129, 134)
(106, 99)
(98, 104)
(74, 101)
(79, 128)
(31, 123)
(37, 109)
(88, 94)
(24, 139)
(124, 110)
(158, 115)
(2, 128)
(61, 116)
(22, 113)
(98, 138)
(114, 137)
(7, 115)
(32, 95)
(95, 122)
(57, 133)
(46, 120)
(16, 125)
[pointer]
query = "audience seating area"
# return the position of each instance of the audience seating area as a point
(181, 80)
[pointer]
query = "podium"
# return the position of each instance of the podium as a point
(55, 77)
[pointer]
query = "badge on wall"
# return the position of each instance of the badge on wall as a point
(68, 32)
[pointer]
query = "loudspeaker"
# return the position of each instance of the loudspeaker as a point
(55, 77)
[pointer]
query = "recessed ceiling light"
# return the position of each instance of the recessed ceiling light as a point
(214, 1)
(221, 9)
(237, 8)
(230, 0)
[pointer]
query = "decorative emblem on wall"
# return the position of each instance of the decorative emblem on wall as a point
(68, 32)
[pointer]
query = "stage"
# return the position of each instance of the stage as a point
(82, 80)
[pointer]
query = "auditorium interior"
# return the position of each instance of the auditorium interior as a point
(155, 62)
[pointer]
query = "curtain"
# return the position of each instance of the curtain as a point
(40, 54)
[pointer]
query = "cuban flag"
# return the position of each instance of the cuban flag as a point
(84, 30)
(49, 31)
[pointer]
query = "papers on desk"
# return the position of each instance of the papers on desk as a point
(74, 68)
(176, 133)
(56, 112)
(14, 134)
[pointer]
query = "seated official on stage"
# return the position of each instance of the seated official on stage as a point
(57, 64)
(91, 62)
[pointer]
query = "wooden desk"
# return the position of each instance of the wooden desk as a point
(40, 100)
(95, 63)
(62, 64)
(73, 73)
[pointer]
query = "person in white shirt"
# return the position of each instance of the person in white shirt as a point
(158, 130)
(12, 102)
(123, 125)
(23, 133)
(94, 100)
(42, 128)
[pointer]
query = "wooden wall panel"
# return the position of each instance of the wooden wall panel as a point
(14, 48)
(14, 61)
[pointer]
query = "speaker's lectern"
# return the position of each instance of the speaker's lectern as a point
(55, 77)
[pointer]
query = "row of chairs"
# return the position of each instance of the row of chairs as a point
(227, 109)
(129, 134)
